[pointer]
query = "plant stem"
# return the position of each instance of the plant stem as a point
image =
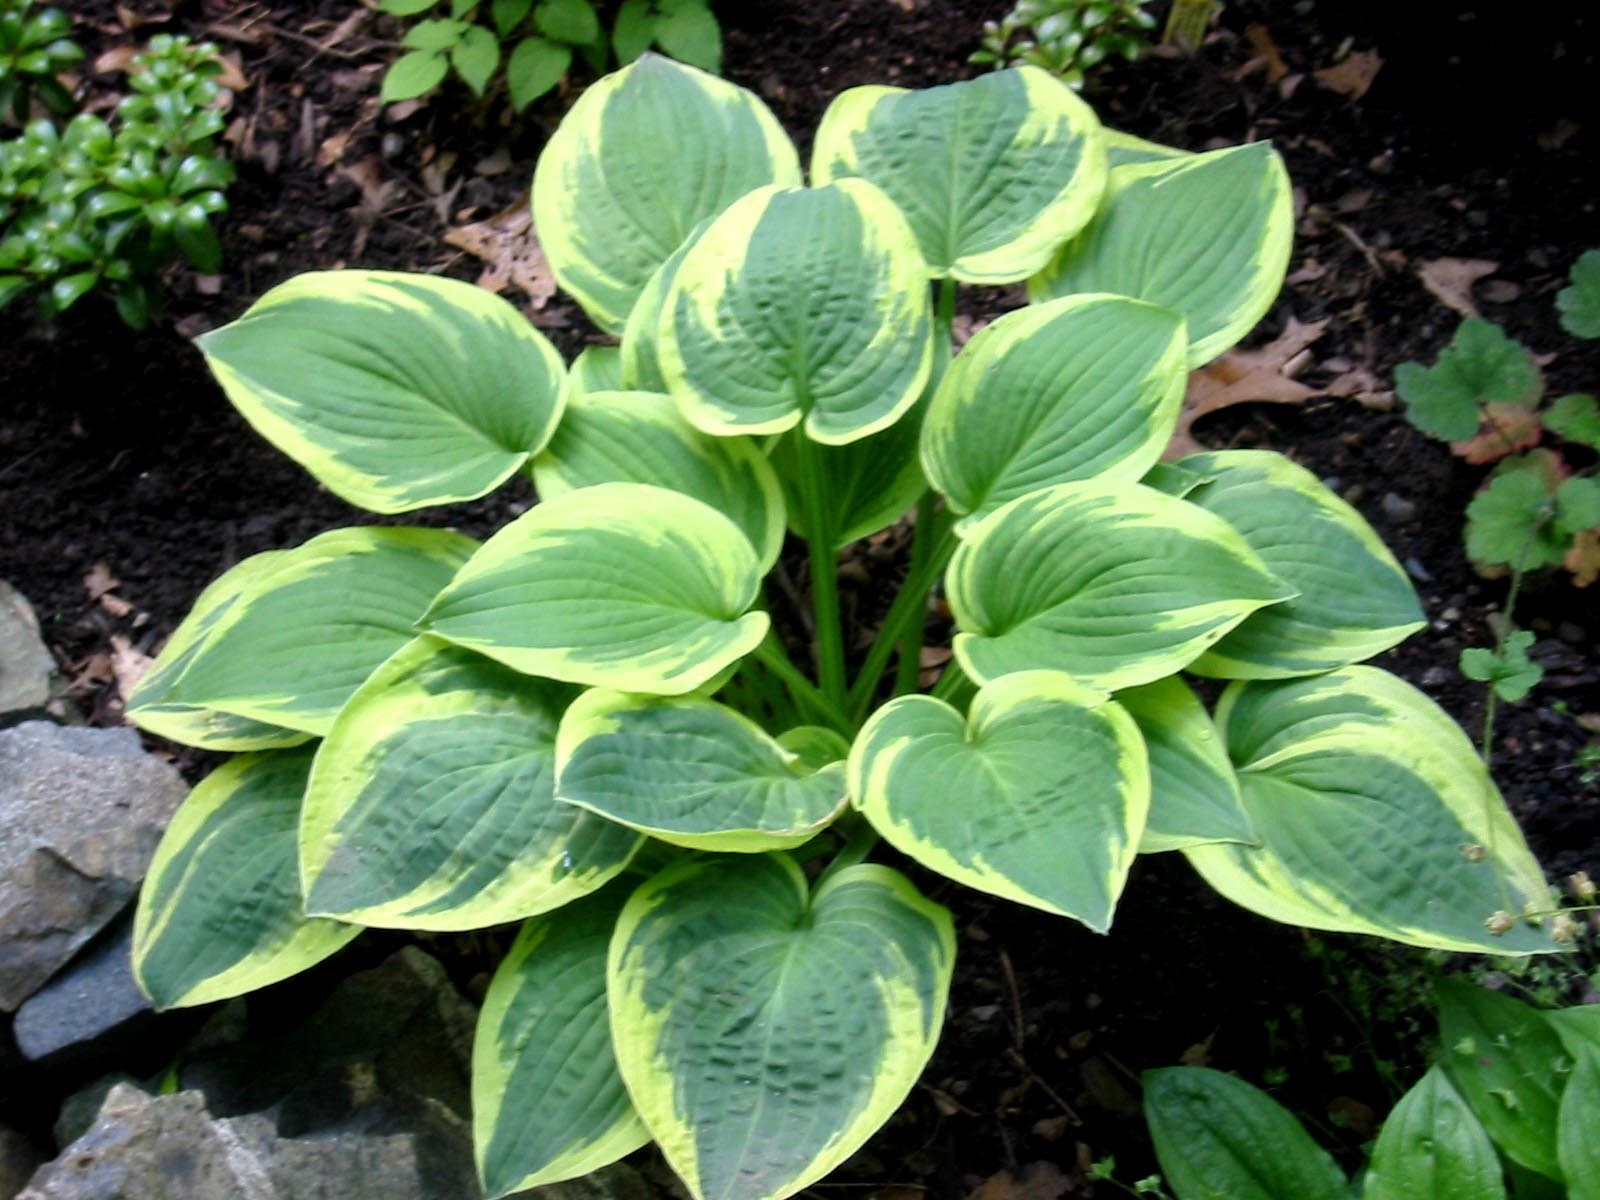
(771, 655)
(910, 669)
(928, 558)
(824, 571)
(952, 685)
(863, 838)
(1507, 627)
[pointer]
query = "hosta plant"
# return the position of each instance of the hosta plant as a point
(595, 721)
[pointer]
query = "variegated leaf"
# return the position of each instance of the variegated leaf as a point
(764, 1029)
(1115, 584)
(1087, 387)
(799, 304)
(1368, 802)
(993, 173)
(691, 772)
(1206, 235)
(432, 802)
(1039, 794)
(620, 585)
(220, 913)
(396, 391)
(643, 156)
(293, 636)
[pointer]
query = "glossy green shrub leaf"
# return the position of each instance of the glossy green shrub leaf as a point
(1577, 1148)
(765, 1030)
(1481, 365)
(870, 483)
(534, 68)
(1364, 795)
(993, 173)
(547, 1100)
(1087, 387)
(1206, 235)
(475, 57)
(153, 706)
(572, 21)
(1579, 301)
(220, 914)
(1194, 796)
(688, 30)
(644, 156)
(508, 14)
(1509, 1063)
(1431, 1147)
(1115, 584)
(691, 772)
(622, 585)
(396, 391)
(289, 639)
(1038, 795)
(432, 803)
(800, 304)
(1354, 599)
(634, 30)
(1216, 1136)
(640, 437)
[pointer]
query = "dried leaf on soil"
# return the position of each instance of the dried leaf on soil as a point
(1242, 376)
(1451, 280)
(1266, 51)
(1035, 1181)
(100, 580)
(1507, 429)
(511, 254)
(127, 664)
(1353, 76)
(1583, 559)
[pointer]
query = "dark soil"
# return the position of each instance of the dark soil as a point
(117, 449)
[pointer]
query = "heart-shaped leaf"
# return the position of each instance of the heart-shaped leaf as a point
(432, 803)
(643, 156)
(691, 772)
(1115, 584)
(1039, 794)
(1217, 1136)
(800, 304)
(396, 391)
(622, 585)
(547, 1100)
(292, 636)
(220, 913)
(1354, 599)
(765, 1030)
(1206, 235)
(596, 369)
(1368, 802)
(1194, 795)
(639, 437)
(993, 173)
(1431, 1147)
(1087, 387)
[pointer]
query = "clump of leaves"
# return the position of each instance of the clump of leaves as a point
(35, 48)
(1540, 506)
(1514, 1086)
(594, 720)
(543, 36)
(1066, 37)
(105, 203)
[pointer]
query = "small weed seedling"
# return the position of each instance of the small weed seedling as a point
(543, 36)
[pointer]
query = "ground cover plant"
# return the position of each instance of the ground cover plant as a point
(36, 47)
(591, 720)
(1066, 37)
(104, 204)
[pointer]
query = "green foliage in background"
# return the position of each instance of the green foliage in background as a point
(533, 42)
(596, 722)
(35, 48)
(1066, 37)
(104, 204)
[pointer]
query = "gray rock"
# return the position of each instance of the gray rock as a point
(161, 1147)
(26, 668)
(18, 1160)
(79, 1110)
(81, 811)
(1397, 508)
(91, 1009)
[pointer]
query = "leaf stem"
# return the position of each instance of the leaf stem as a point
(772, 656)
(861, 842)
(910, 668)
(824, 571)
